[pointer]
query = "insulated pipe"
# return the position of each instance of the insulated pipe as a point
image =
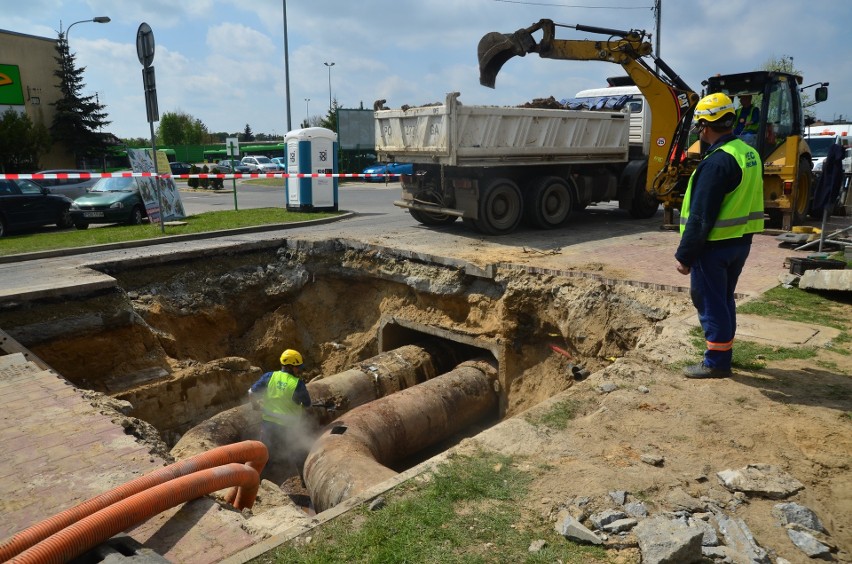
(375, 377)
(89, 532)
(353, 451)
(252, 451)
(380, 376)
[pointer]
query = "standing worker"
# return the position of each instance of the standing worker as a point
(283, 428)
(722, 210)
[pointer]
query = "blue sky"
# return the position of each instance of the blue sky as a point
(222, 61)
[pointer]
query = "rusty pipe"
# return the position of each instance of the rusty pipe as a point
(252, 451)
(89, 532)
(376, 377)
(354, 451)
(380, 376)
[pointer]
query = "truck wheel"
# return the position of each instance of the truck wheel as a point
(500, 207)
(547, 203)
(644, 205)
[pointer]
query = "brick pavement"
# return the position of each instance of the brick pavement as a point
(60, 450)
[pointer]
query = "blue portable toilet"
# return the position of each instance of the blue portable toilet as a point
(309, 151)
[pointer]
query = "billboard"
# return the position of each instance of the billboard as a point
(11, 90)
(356, 129)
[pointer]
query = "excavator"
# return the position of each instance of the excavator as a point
(674, 152)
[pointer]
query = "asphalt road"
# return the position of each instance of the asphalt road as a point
(359, 197)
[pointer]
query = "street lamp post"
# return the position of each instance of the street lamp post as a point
(307, 111)
(329, 65)
(99, 19)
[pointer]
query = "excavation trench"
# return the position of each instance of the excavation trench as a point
(176, 345)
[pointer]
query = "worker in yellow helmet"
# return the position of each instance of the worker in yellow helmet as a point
(722, 210)
(282, 395)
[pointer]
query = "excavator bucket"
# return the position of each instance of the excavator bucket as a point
(494, 50)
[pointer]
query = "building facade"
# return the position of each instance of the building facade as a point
(28, 85)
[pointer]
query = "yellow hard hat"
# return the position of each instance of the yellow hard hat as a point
(713, 107)
(291, 357)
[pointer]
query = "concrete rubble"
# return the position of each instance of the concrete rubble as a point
(687, 529)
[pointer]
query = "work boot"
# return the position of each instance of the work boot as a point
(703, 371)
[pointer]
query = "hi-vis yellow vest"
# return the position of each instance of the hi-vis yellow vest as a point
(742, 208)
(279, 406)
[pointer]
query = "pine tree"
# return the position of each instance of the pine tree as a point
(78, 118)
(247, 134)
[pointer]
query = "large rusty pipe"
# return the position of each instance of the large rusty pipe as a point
(254, 452)
(376, 377)
(353, 452)
(89, 532)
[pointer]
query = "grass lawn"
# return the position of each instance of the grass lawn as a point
(209, 221)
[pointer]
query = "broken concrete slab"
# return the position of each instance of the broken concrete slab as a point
(572, 529)
(764, 480)
(788, 513)
(835, 280)
(665, 541)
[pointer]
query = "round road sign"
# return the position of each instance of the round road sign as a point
(145, 44)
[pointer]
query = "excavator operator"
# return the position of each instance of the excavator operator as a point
(722, 210)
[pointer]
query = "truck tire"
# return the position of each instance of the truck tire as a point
(547, 202)
(500, 207)
(429, 218)
(644, 205)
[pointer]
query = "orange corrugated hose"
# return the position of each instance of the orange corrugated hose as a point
(253, 453)
(74, 540)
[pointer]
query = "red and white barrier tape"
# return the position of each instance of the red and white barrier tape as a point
(86, 175)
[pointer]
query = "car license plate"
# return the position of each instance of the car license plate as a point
(93, 214)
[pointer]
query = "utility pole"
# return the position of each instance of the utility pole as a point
(286, 67)
(329, 65)
(658, 9)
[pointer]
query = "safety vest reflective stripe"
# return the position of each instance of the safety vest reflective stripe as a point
(711, 346)
(742, 208)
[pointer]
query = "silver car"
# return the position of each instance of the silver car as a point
(70, 187)
(261, 164)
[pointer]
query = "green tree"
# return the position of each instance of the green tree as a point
(21, 142)
(330, 120)
(78, 118)
(247, 134)
(180, 128)
(784, 63)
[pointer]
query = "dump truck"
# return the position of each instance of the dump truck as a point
(494, 196)
(493, 166)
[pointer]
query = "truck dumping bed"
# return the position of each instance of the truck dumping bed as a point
(457, 135)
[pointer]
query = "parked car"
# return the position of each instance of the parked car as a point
(281, 162)
(387, 168)
(111, 200)
(71, 187)
(25, 204)
(228, 166)
(261, 164)
(179, 167)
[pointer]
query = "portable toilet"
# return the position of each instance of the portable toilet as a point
(312, 150)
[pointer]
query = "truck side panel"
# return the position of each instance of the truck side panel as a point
(457, 135)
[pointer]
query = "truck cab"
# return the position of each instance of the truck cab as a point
(623, 99)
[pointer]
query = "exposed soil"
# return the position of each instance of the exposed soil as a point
(232, 318)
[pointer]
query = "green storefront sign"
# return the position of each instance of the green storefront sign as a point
(11, 91)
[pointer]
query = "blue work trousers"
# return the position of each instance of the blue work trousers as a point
(713, 280)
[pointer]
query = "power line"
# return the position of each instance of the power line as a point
(575, 6)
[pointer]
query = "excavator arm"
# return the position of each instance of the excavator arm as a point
(670, 99)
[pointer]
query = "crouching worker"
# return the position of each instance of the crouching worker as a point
(282, 395)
